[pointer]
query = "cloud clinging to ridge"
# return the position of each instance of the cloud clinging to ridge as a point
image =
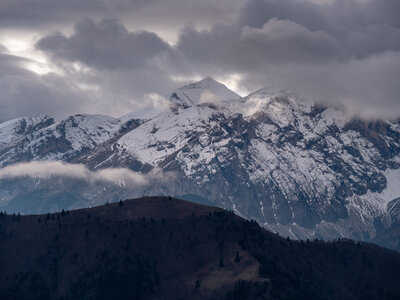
(49, 169)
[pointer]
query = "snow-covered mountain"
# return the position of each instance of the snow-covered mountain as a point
(298, 168)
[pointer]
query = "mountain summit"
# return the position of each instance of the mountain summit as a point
(205, 91)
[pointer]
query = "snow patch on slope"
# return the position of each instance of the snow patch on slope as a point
(87, 131)
(13, 130)
(392, 190)
(165, 134)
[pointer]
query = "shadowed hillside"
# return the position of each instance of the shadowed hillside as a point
(165, 248)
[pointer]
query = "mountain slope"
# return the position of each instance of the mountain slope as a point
(15, 129)
(299, 168)
(165, 248)
(44, 139)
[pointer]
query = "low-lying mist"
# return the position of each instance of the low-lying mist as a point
(49, 169)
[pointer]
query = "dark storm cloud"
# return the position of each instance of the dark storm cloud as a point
(347, 51)
(341, 51)
(355, 24)
(343, 29)
(246, 48)
(123, 66)
(42, 13)
(256, 13)
(106, 44)
(23, 92)
(283, 40)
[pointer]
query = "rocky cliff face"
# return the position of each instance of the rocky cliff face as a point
(299, 168)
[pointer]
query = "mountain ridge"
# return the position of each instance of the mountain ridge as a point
(298, 168)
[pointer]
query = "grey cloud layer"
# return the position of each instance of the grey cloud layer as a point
(346, 51)
(106, 44)
(42, 13)
(23, 92)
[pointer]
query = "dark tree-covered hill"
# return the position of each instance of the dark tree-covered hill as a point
(165, 248)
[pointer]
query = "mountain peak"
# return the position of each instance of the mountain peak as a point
(207, 83)
(208, 79)
(207, 90)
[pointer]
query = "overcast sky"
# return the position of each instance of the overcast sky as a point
(115, 56)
